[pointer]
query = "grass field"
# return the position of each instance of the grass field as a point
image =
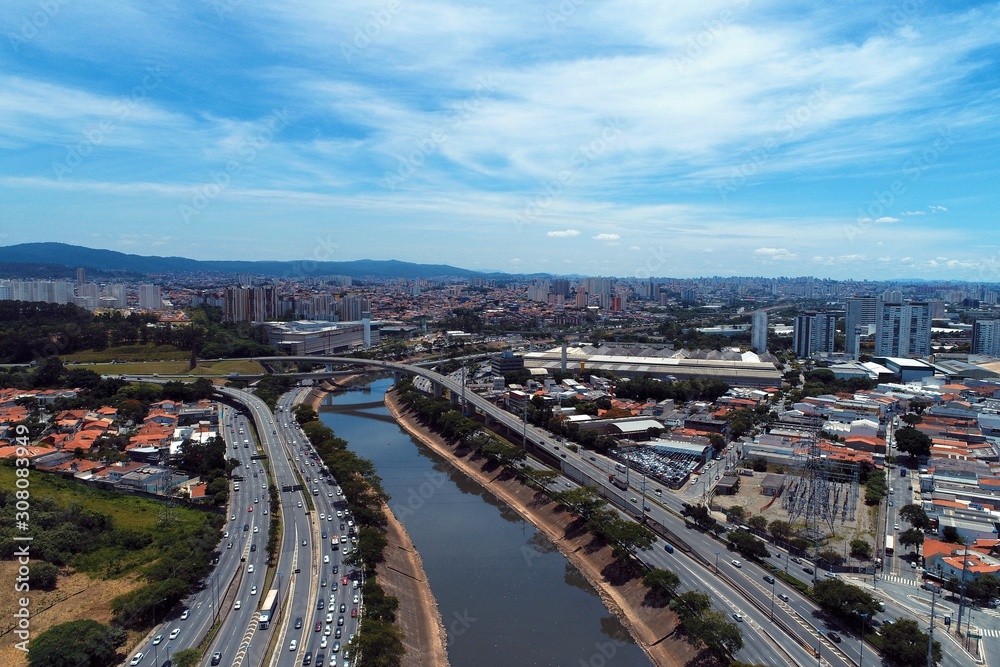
(148, 352)
(174, 368)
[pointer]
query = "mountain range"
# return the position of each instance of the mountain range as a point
(36, 259)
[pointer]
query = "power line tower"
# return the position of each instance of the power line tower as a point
(821, 490)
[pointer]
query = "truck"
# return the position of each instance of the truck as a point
(269, 609)
(902, 472)
(620, 483)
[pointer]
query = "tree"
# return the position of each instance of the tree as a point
(875, 489)
(663, 582)
(759, 464)
(690, 604)
(700, 514)
(85, 643)
(861, 549)
(912, 538)
(950, 534)
(912, 441)
(830, 556)
(916, 516)
(43, 575)
(780, 530)
(748, 545)
(757, 522)
(583, 501)
(189, 657)
(736, 514)
(905, 644)
(714, 631)
(912, 419)
(843, 599)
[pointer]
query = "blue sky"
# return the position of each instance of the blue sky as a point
(732, 137)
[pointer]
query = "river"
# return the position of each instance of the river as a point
(506, 594)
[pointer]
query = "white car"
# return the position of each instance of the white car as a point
(157, 639)
(326, 558)
(323, 642)
(136, 659)
(237, 604)
(253, 590)
(185, 614)
(174, 633)
(737, 617)
(256, 529)
(736, 563)
(355, 600)
(294, 644)
(250, 568)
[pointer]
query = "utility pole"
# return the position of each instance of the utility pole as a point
(961, 600)
(930, 634)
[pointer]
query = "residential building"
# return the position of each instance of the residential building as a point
(986, 338)
(903, 330)
(150, 297)
(759, 334)
(861, 313)
(814, 333)
(250, 304)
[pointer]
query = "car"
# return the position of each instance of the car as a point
(237, 605)
(225, 535)
(329, 617)
(322, 583)
(329, 517)
(807, 570)
(356, 599)
(323, 643)
(326, 558)
(327, 630)
(304, 542)
(337, 633)
(736, 563)
(782, 597)
(354, 612)
(318, 627)
(265, 511)
(329, 494)
(336, 569)
(256, 529)
(343, 539)
(340, 620)
(340, 513)
(647, 508)
(246, 527)
(298, 622)
(322, 516)
(174, 633)
(913, 565)
(232, 518)
(250, 568)
(216, 658)
(890, 503)
(323, 535)
(658, 492)
(344, 581)
(834, 637)
(157, 639)
(320, 604)
(300, 503)
(185, 614)
(737, 617)
(895, 526)
(768, 578)
(350, 522)
(229, 546)
(253, 590)
(250, 509)
(796, 559)
(292, 645)
(253, 546)
(343, 607)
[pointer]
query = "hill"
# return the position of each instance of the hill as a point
(53, 258)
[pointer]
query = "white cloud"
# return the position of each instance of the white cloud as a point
(938, 209)
(885, 219)
(774, 253)
(914, 213)
(563, 234)
(607, 237)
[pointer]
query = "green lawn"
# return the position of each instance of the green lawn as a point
(148, 352)
(174, 368)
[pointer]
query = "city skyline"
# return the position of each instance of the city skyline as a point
(731, 138)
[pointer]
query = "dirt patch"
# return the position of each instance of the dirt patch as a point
(76, 597)
(652, 626)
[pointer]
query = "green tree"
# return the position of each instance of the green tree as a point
(830, 556)
(757, 522)
(43, 575)
(748, 545)
(861, 549)
(912, 419)
(583, 501)
(912, 441)
(189, 657)
(713, 630)
(780, 530)
(916, 515)
(662, 582)
(843, 599)
(950, 534)
(736, 513)
(700, 514)
(84, 643)
(381, 643)
(905, 644)
(690, 604)
(912, 538)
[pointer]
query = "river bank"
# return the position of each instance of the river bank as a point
(651, 625)
(402, 575)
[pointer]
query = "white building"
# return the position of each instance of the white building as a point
(903, 330)
(758, 337)
(149, 297)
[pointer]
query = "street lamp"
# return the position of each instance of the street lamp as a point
(773, 580)
(717, 561)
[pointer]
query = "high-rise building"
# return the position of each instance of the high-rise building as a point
(150, 297)
(759, 334)
(81, 276)
(814, 333)
(861, 314)
(689, 295)
(352, 306)
(250, 304)
(581, 297)
(986, 338)
(116, 295)
(903, 330)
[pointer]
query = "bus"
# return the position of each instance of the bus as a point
(890, 545)
(269, 609)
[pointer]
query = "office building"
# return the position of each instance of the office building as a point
(860, 319)
(759, 333)
(903, 330)
(986, 338)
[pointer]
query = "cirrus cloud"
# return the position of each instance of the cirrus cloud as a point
(563, 234)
